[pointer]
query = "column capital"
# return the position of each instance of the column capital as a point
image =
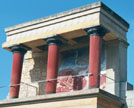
(96, 31)
(53, 41)
(19, 49)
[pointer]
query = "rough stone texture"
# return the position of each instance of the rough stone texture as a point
(34, 69)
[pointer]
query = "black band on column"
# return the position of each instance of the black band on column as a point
(19, 49)
(98, 30)
(53, 41)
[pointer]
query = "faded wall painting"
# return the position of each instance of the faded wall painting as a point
(73, 70)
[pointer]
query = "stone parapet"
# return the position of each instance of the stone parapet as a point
(93, 98)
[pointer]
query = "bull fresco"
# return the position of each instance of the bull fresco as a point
(73, 70)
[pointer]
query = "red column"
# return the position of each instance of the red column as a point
(94, 61)
(52, 65)
(18, 55)
(96, 35)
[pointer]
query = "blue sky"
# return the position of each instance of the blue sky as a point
(14, 12)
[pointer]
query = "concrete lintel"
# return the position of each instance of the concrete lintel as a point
(63, 23)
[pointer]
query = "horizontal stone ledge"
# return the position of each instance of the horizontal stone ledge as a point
(91, 93)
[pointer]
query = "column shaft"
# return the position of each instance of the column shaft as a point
(52, 68)
(94, 61)
(16, 75)
(96, 34)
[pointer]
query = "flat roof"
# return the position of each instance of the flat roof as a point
(67, 13)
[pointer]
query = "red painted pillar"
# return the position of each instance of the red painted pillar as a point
(18, 54)
(96, 35)
(94, 61)
(52, 65)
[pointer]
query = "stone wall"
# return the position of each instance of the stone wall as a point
(116, 67)
(34, 69)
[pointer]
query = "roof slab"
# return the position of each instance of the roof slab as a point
(69, 25)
